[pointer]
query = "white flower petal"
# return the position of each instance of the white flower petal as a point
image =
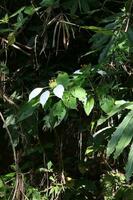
(44, 97)
(58, 91)
(35, 93)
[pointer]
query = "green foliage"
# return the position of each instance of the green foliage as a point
(66, 109)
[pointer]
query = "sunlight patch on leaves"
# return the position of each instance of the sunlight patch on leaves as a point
(35, 93)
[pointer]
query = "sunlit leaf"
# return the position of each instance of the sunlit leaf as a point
(58, 91)
(88, 105)
(69, 100)
(122, 136)
(10, 120)
(44, 97)
(79, 93)
(35, 93)
(17, 12)
(107, 104)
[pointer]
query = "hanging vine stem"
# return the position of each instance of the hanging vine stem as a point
(14, 153)
(128, 15)
(11, 140)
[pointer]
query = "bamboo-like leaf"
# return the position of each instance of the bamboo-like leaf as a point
(123, 128)
(129, 165)
(126, 137)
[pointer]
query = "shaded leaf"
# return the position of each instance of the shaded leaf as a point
(11, 38)
(63, 79)
(129, 165)
(27, 110)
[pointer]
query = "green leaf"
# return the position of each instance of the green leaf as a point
(10, 120)
(17, 12)
(69, 100)
(119, 106)
(49, 165)
(88, 106)
(47, 2)
(98, 29)
(27, 110)
(63, 79)
(29, 10)
(107, 104)
(4, 20)
(11, 38)
(1, 184)
(129, 165)
(121, 137)
(58, 112)
(79, 93)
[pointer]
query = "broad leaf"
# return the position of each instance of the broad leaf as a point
(122, 136)
(59, 112)
(56, 115)
(35, 93)
(27, 110)
(107, 104)
(63, 79)
(88, 106)
(79, 93)
(69, 100)
(44, 97)
(58, 91)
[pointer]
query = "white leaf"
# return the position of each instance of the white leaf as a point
(78, 72)
(58, 91)
(34, 93)
(44, 97)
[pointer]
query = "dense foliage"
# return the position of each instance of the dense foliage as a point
(66, 108)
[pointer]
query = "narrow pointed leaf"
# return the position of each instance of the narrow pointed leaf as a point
(125, 139)
(118, 134)
(129, 165)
